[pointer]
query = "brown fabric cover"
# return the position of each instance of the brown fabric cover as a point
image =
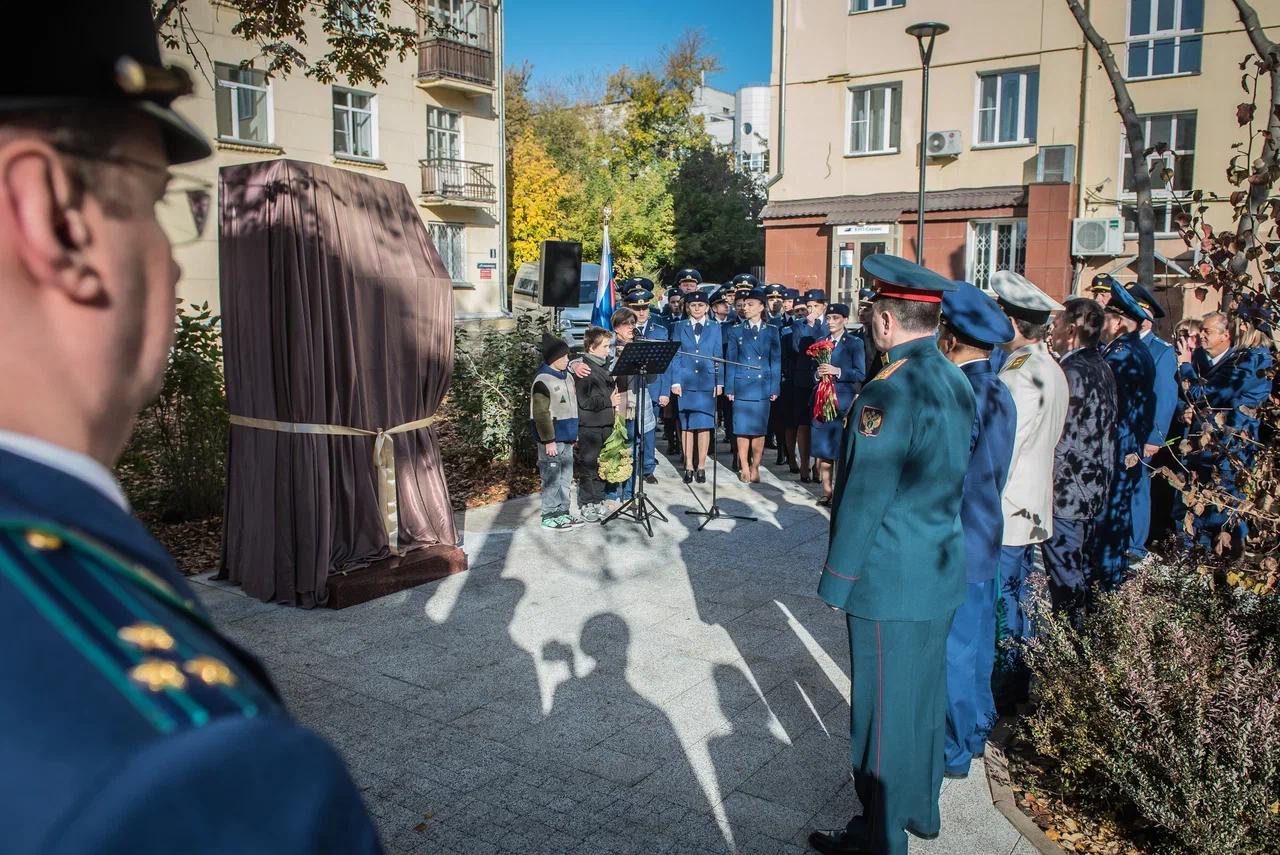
(336, 310)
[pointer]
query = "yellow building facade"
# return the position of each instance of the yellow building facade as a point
(434, 126)
(1026, 164)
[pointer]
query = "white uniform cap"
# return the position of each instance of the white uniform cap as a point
(1020, 298)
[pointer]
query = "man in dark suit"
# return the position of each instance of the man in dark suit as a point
(129, 722)
(1084, 461)
(1134, 372)
(895, 565)
(972, 325)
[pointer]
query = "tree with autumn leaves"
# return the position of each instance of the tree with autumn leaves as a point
(634, 147)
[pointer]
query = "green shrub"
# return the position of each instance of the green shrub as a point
(174, 468)
(1165, 709)
(488, 404)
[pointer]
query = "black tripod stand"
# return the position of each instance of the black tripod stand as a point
(639, 358)
(714, 512)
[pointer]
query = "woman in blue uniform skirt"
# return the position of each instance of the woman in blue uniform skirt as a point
(752, 376)
(847, 370)
(698, 380)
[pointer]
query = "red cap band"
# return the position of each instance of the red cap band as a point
(897, 292)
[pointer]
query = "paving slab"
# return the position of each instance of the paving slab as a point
(597, 690)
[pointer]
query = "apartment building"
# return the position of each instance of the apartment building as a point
(434, 126)
(1026, 165)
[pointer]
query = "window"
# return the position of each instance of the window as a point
(1164, 37)
(444, 134)
(465, 21)
(753, 161)
(873, 5)
(243, 102)
(874, 119)
(355, 123)
(450, 241)
(1008, 103)
(1178, 132)
(996, 245)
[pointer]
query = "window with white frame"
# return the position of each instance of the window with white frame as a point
(451, 243)
(444, 134)
(753, 161)
(355, 123)
(1177, 133)
(466, 21)
(873, 5)
(1008, 106)
(1164, 37)
(243, 104)
(995, 245)
(874, 119)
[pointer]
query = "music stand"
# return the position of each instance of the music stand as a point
(641, 357)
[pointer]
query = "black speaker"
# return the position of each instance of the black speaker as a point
(560, 273)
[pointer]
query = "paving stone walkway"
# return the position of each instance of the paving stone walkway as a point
(595, 691)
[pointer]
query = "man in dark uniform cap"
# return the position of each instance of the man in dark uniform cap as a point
(973, 324)
(1165, 362)
(1100, 288)
(130, 723)
(896, 561)
(638, 299)
(1134, 371)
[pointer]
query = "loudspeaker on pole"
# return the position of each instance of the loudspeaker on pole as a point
(559, 273)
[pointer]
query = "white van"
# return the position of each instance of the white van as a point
(573, 321)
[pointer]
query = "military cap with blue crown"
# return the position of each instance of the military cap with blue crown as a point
(1146, 299)
(1124, 303)
(975, 316)
(688, 274)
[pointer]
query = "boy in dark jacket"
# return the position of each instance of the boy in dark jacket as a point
(553, 417)
(598, 400)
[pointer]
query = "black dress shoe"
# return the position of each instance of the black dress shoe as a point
(701, 476)
(782, 458)
(835, 842)
(651, 478)
(687, 477)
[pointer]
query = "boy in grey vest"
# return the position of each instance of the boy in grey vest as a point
(553, 418)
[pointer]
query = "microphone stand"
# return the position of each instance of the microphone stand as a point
(714, 512)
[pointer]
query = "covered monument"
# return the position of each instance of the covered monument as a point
(338, 334)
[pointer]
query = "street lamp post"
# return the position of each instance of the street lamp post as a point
(924, 34)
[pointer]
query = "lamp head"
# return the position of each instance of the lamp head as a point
(925, 32)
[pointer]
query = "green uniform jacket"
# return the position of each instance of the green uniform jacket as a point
(897, 549)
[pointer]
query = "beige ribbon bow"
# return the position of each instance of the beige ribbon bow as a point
(384, 459)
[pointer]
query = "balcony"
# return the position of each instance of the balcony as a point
(460, 183)
(461, 57)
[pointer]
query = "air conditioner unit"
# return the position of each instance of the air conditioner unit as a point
(942, 144)
(1054, 163)
(1097, 236)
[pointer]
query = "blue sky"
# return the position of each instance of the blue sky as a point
(591, 38)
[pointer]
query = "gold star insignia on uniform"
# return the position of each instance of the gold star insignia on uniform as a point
(43, 540)
(210, 671)
(871, 421)
(146, 636)
(158, 675)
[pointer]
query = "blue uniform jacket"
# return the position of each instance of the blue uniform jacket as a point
(760, 348)
(1166, 386)
(994, 426)
(691, 370)
(1134, 371)
(660, 385)
(804, 334)
(849, 356)
(897, 548)
(129, 723)
(1237, 379)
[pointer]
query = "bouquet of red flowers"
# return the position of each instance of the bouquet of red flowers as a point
(824, 399)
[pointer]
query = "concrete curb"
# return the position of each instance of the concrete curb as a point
(998, 780)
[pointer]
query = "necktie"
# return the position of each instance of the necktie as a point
(697, 330)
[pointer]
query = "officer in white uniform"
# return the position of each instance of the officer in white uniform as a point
(1040, 397)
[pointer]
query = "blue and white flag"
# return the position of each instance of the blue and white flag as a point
(606, 288)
